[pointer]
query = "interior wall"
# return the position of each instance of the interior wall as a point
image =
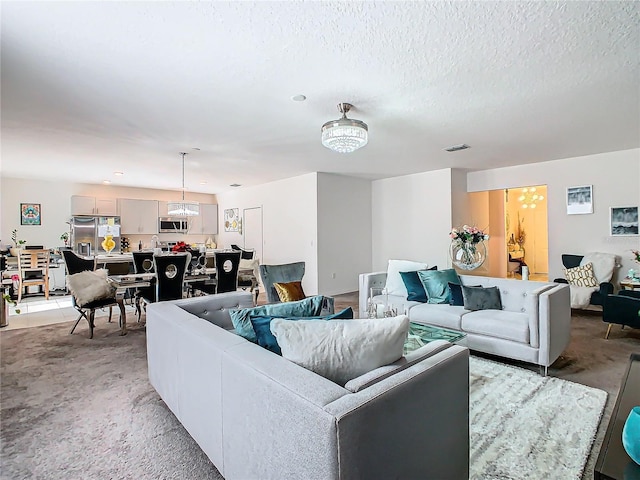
(55, 201)
(412, 218)
(290, 222)
(344, 232)
(615, 177)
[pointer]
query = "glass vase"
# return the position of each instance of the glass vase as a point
(468, 255)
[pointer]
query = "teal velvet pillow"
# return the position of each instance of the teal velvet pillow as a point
(266, 339)
(415, 289)
(309, 307)
(436, 284)
(479, 298)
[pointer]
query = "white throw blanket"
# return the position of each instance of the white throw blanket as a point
(580, 296)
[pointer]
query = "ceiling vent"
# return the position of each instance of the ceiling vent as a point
(455, 148)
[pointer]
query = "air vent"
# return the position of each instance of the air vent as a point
(235, 185)
(455, 148)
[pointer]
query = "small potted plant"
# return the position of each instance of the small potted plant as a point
(5, 301)
(65, 238)
(18, 243)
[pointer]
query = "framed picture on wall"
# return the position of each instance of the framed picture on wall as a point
(231, 220)
(580, 200)
(624, 221)
(30, 214)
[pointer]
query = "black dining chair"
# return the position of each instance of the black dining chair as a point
(227, 265)
(170, 271)
(143, 263)
(245, 254)
(76, 264)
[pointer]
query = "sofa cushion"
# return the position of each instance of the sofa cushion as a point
(394, 284)
(480, 298)
(309, 307)
(415, 289)
(442, 315)
(581, 276)
(262, 327)
(290, 291)
(341, 350)
(436, 284)
(498, 323)
(411, 358)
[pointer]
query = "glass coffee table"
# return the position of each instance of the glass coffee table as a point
(420, 335)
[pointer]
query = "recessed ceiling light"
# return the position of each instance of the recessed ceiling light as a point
(118, 173)
(196, 148)
(203, 183)
(235, 185)
(106, 182)
(298, 98)
(455, 148)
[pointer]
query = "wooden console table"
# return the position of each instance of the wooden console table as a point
(613, 462)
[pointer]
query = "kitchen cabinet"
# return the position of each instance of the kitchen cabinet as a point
(207, 222)
(138, 216)
(84, 205)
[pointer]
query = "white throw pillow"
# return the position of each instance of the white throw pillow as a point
(89, 286)
(395, 285)
(603, 265)
(341, 350)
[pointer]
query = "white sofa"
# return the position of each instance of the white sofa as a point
(534, 324)
(259, 416)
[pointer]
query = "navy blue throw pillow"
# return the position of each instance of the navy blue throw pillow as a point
(266, 339)
(415, 288)
(456, 295)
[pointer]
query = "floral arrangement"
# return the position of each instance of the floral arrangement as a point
(14, 238)
(468, 235)
(636, 255)
(179, 247)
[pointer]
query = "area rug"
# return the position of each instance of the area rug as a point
(78, 408)
(524, 425)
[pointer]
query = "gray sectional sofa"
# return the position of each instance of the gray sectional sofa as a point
(534, 324)
(258, 416)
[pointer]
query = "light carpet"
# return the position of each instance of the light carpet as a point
(524, 425)
(78, 408)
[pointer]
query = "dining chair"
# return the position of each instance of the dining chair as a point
(33, 270)
(170, 271)
(76, 264)
(227, 266)
(289, 272)
(245, 254)
(143, 263)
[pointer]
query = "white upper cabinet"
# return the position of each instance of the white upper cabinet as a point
(138, 216)
(207, 222)
(83, 205)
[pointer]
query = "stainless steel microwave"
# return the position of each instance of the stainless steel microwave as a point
(173, 225)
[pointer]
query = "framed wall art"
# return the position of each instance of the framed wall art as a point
(30, 214)
(231, 220)
(580, 200)
(624, 221)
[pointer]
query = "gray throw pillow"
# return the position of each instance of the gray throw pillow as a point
(479, 298)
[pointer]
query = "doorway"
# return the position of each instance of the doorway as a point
(253, 230)
(526, 231)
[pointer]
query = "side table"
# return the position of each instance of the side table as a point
(613, 462)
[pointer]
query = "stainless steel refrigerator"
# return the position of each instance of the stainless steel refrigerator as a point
(88, 232)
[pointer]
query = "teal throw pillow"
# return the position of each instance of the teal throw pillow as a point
(309, 307)
(266, 339)
(436, 284)
(415, 289)
(479, 298)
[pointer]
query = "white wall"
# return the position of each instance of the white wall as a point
(55, 200)
(412, 218)
(615, 177)
(290, 222)
(344, 232)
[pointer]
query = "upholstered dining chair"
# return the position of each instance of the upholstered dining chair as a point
(75, 264)
(170, 271)
(33, 270)
(245, 254)
(227, 265)
(290, 272)
(143, 263)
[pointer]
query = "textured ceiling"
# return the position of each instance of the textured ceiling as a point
(89, 88)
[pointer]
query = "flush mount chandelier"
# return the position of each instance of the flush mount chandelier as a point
(345, 135)
(529, 198)
(183, 208)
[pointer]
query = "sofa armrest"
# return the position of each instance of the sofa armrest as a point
(367, 281)
(555, 323)
(561, 280)
(424, 430)
(606, 288)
